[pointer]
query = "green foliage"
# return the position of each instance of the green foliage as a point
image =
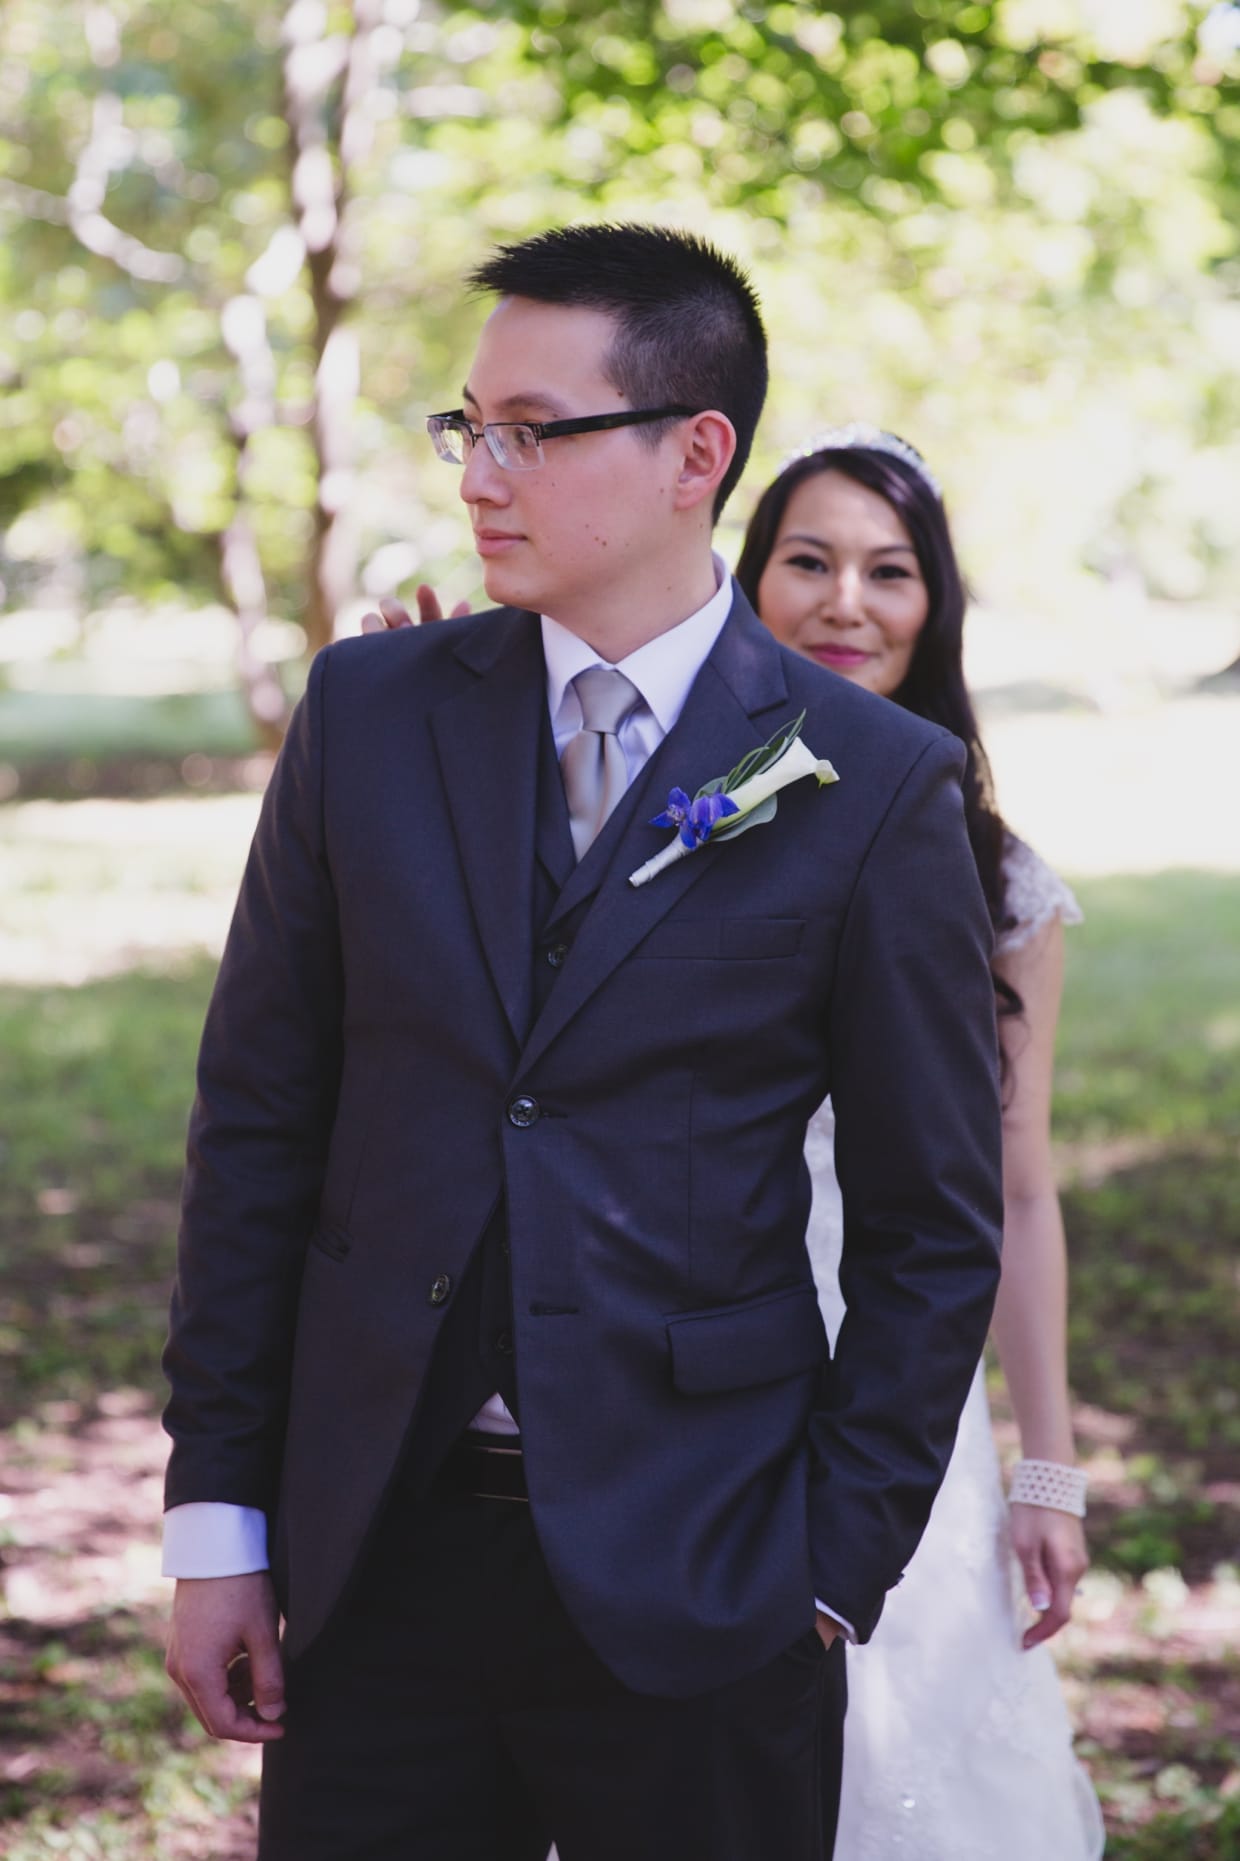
(1148, 1114)
(39, 726)
(96, 1093)
(1208, 1833)
(1004, 226)
(857, 97)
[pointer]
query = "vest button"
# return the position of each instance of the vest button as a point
(523, 1112)
(556, 954)
(441, 1288)
(503, 1343)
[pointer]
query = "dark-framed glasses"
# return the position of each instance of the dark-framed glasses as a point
(517, 445)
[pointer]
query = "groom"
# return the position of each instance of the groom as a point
(494, 1332)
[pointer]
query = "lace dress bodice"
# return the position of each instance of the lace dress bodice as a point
(1033, 894)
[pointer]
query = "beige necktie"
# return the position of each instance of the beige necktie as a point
(592, 762)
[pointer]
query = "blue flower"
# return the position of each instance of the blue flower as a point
(677, 811)
(695, 819)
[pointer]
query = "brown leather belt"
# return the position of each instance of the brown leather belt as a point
(482, 1467)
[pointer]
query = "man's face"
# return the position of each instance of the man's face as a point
(562, 539)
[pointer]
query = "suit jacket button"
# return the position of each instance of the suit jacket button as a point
(523, 1112)
(556, 954)
(503, 1343)
(441, 1288)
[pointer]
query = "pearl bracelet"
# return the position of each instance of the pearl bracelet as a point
(1049, 1483)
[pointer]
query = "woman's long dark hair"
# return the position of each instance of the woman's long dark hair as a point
(934, 686)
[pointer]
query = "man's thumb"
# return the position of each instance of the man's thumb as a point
(267, 1677)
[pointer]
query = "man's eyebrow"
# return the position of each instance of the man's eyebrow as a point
(819, 542)
(529, 406)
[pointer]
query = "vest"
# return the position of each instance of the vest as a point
(473, 1355)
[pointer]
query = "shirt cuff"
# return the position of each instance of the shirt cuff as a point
(210, 1539)
(850, 1633)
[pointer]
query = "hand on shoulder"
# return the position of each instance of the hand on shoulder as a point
(393, 615)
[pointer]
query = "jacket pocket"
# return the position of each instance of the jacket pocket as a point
(333, 1242)
(742, 1346)
(359, 1117)
(734, 939)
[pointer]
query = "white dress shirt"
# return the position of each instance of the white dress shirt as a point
(212, 1539)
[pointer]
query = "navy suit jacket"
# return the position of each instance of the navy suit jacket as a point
(698, 1469)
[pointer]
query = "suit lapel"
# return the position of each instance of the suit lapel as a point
(487, 741)
(724, 717)
(553, 839)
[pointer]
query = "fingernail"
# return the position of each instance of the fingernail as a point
(1040, 1599)
(271, 1712)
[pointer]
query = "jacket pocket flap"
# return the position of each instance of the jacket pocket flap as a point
(752, 939)
(741, 1346)
(706, 939)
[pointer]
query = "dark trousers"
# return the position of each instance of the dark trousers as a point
(451, 1712)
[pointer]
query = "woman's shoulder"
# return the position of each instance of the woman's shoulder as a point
(1033, 894)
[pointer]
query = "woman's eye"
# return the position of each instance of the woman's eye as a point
(813, 563)
(891, 572)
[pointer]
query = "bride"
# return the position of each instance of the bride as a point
(957, 1745)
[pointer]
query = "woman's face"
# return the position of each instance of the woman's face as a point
(843, 584)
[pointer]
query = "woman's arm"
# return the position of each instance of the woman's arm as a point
(1030, 1321)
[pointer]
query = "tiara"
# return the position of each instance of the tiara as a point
(864, 437)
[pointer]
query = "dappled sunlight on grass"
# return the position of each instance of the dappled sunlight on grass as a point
(100, 1070)
(96, 887)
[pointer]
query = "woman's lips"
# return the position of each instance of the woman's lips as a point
(840, 658)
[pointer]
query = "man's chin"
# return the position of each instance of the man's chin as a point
(505, 588)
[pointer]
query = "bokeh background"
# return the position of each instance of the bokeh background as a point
(232, 240)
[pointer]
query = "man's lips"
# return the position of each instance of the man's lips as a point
(494, 542)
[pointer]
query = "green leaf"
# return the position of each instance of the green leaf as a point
(756, 817)
(759, 760)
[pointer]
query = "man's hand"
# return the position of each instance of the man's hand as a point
(1051, 1548)
(392, 615)
(224, 1655)
(828, 1628)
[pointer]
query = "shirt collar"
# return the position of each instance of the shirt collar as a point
(662, 670)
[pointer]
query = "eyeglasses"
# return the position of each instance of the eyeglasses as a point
(517, 444)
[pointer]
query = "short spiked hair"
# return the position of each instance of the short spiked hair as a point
(688, 328)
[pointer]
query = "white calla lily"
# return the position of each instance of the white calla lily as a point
(798, 760)
(793, 764)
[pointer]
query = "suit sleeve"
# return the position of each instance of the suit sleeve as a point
(268, 1080)
(914, 1084)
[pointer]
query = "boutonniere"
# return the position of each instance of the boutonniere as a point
(732, 803)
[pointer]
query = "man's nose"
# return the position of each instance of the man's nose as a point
(483, 481)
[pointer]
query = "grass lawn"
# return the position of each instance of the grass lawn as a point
(98, 1758)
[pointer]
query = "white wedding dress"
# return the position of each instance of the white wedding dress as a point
(957, 1745)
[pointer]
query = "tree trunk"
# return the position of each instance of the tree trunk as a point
(327, 141)
(244, 328)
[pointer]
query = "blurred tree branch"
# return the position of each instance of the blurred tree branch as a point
(218, 218)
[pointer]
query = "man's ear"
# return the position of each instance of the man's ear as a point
(709, 445)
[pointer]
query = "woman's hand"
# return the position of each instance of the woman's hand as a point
(1051, 1547)
(393, 615)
